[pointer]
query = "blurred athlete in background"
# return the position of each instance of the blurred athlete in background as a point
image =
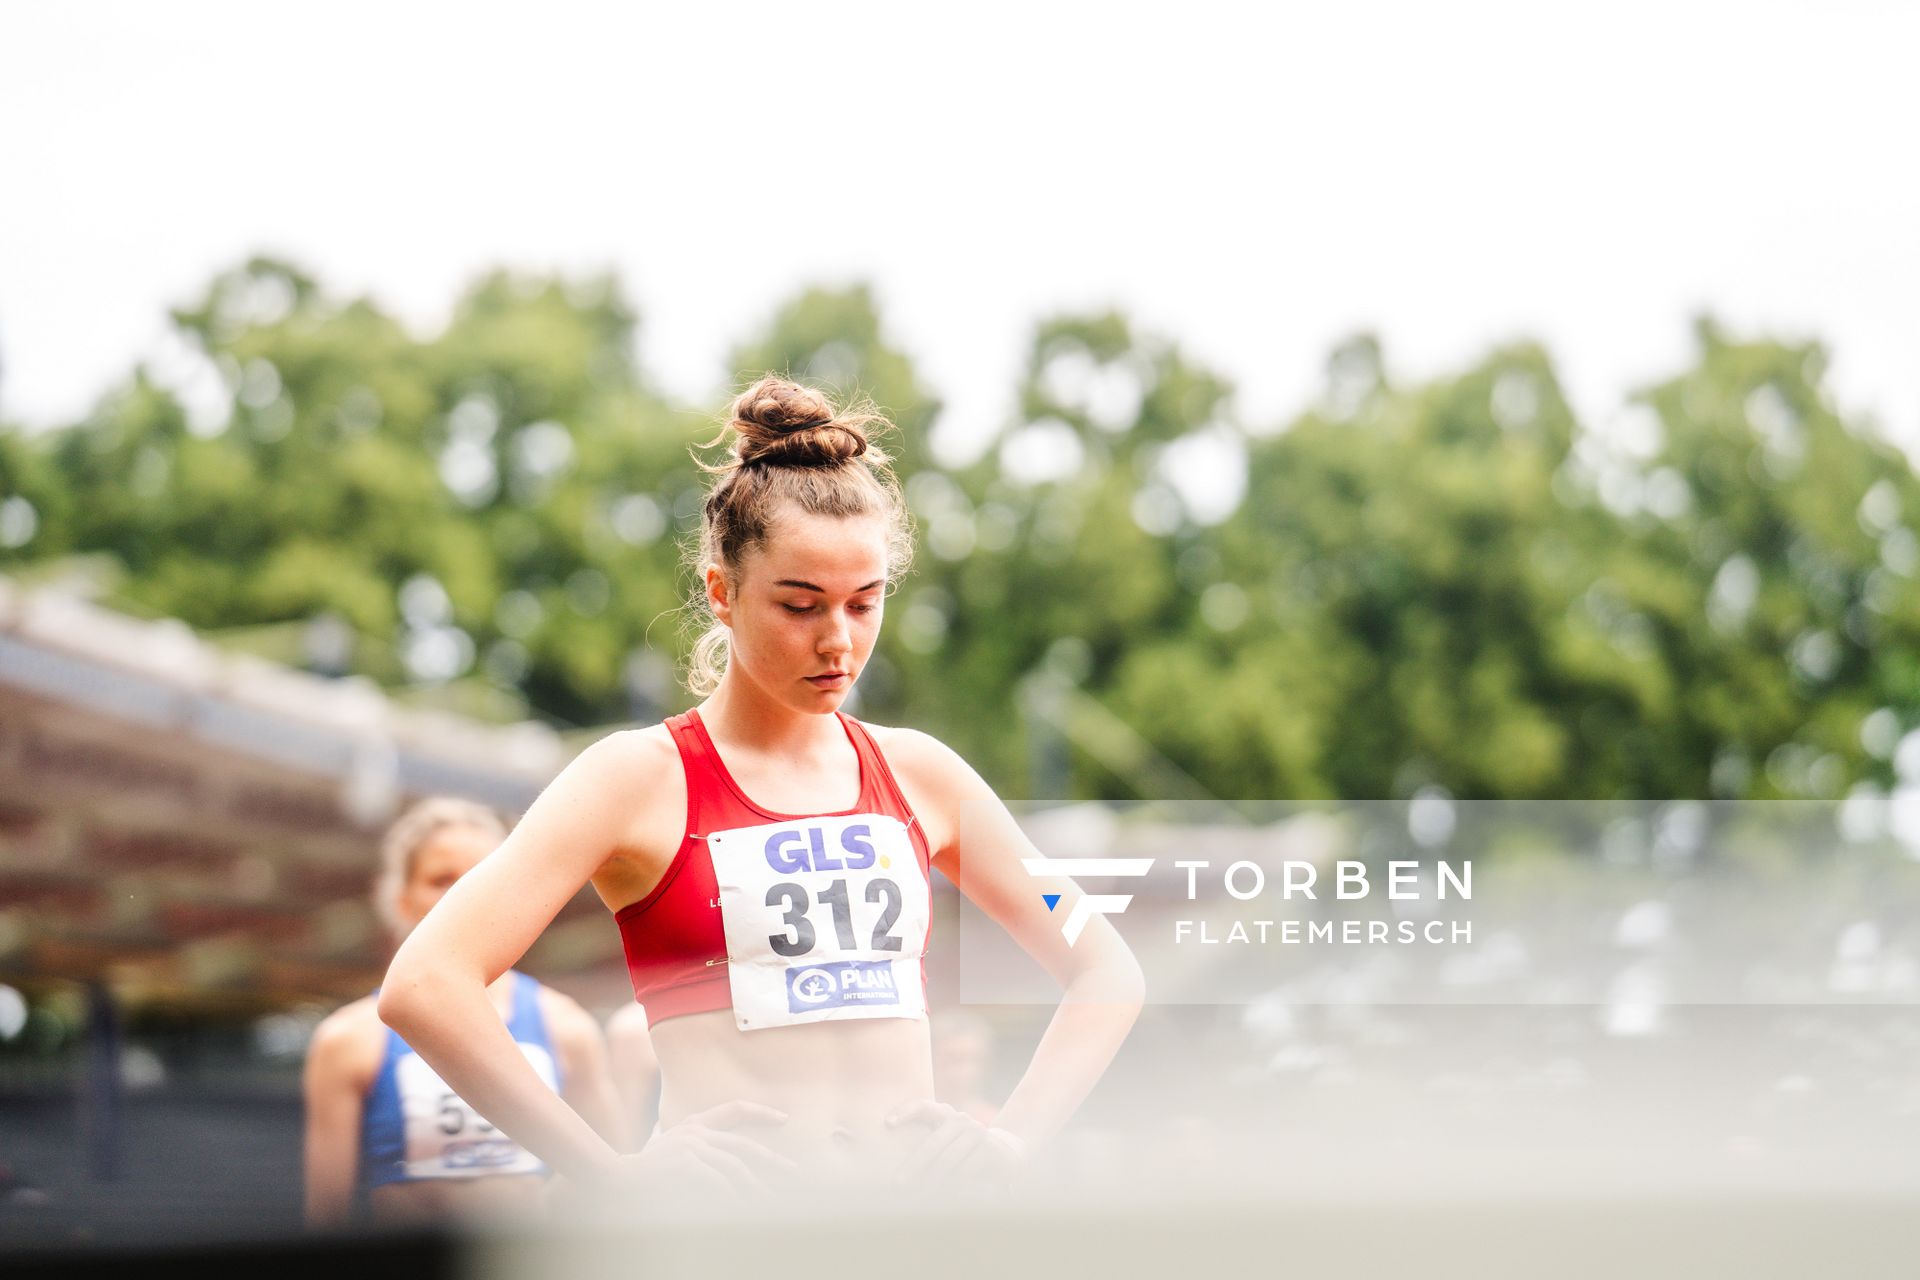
(379, 1120)
(636, 1072)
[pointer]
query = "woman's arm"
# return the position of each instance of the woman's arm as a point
(339, 1068)
(636, 1071)
(435, 994)
(980, 851)
(588, 1086)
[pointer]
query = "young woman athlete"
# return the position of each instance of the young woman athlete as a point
(379, 1120)
(767, 860)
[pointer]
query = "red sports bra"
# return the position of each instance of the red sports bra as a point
(675, 942)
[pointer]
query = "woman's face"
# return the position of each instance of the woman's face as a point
(448, 854)
(807, 607)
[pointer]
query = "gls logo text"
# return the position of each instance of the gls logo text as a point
(1087, 905)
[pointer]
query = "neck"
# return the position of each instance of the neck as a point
(740, 713)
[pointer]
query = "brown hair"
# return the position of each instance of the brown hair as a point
(410, 833)
(790, 445)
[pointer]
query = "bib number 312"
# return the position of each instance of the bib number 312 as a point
(800, 938)
(825, 918)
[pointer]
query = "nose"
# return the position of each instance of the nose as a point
(838, 639)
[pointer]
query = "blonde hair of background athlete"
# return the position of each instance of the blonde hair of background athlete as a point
(409, 834)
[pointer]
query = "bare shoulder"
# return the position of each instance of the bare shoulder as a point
(940, 787)
(357, 1018)
(640, 757)
(349, 1041)
(922, 758)
(628, 778)
(565, 1015)
(627, 1034)
(630, 1020)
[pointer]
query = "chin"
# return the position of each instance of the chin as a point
(822, 701)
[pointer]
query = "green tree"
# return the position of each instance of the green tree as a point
(1059, 549)
(1450, 584)
(486, 511)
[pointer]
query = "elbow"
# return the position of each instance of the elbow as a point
(392, 1006)
(1124, 975)
(1115, 980)
(1130, 983)
(402, 996)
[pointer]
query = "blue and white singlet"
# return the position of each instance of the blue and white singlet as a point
(414, 1127)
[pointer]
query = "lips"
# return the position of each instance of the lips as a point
(830, 679)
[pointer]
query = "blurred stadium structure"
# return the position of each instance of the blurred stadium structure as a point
(180, 820)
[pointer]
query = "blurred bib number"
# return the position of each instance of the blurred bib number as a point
(826, 918)
(446, 1138)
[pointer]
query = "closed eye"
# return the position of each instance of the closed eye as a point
(802, 609)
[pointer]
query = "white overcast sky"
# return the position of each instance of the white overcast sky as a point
(1448, 174)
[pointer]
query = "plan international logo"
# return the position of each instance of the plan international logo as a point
(1087, 905)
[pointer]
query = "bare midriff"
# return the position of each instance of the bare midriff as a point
(836, 1081)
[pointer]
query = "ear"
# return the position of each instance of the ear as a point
(717, 597)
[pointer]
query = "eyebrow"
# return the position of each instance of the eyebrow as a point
(808, 586)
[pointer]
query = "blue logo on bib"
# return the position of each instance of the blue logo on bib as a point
(838, 984)
(484, 1153)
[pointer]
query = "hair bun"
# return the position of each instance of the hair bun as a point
(783, 423)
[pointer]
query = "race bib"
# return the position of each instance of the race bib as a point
(825, 918)
(446, 1138)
